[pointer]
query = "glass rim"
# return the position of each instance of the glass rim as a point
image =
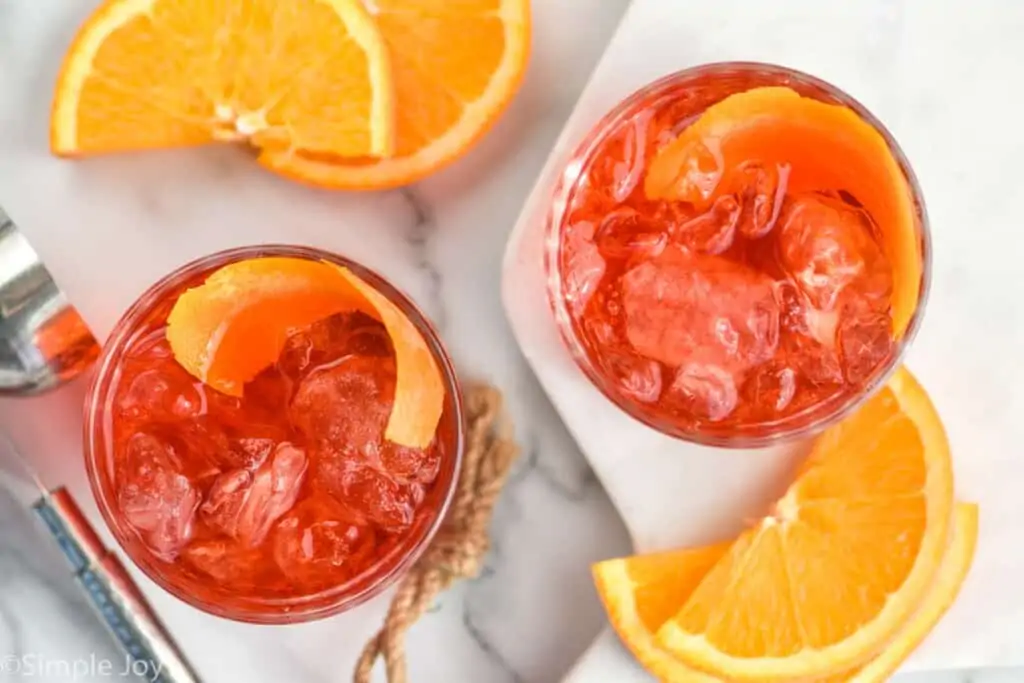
(826, 413)
(312, 606)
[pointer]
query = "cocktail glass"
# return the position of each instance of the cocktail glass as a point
(602, 230)
(284, 505)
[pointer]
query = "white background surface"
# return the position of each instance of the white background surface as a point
(109, 227)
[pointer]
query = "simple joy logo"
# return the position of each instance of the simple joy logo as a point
(35, 665)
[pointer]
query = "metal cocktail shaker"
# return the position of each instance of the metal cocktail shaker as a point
(43, 340)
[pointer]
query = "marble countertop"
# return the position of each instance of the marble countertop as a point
(533, 611)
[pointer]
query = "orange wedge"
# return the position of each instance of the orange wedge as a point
(225, 331)
(828, 147)
(822, 584)
(640, 592)
(456, 67)
(643, 592)
(145, 74)
(952, 572)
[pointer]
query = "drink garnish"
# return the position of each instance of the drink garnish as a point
(227, 330)
(823, 147)
(839, 582)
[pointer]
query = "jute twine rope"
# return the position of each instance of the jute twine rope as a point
(458, 550)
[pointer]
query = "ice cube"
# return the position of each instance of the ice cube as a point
(808, 336)
(703, 170)
(224, 500)
(621, 164)
(865, 341)
(771, 385)
(762, 194)
(296, 356)
(245, 505)
(325, 342)
(266, 398)
(346, 405)
(156, 499)
(681, 308)
(637, 377)
(668, 215)
(331, 339)
(249, 444)
(624, 233)
(830, 346)
(364, 336)
(369, 494)
(705, 390)
(410, 464)
(826, 245)
(226, 561)
(385, 502)
(317, 545)
(600, 329)
(817, 363)
(227, 409)
(582, 265)
(713, 231)
(200, 445)
(630, 169)
(165, 392)
(252, 451)
(792, 308)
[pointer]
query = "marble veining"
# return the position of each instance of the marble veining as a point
(418, 236)
(487, 647)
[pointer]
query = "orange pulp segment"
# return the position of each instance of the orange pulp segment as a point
(638, 591)
(824, 582)
(955, 565)
(456, 66)
(146, 74)
(827, 146)
(225, 331)
(641, 593)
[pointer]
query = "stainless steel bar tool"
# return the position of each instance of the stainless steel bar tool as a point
(43, 340)
(113, 594)
(44, 343)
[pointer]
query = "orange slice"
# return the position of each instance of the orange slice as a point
(941, 595)
(828, 147)
(643, 592)
(225, 331)
(145, 74)
(823, 583)
(456, 67)
(639, 593)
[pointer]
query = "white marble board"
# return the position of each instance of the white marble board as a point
(941, 77)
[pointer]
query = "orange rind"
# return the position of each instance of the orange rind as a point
(227, 330)
(843, 561)
(456, 67)
(828, 147)
(335, 93)
(637, 593)
(153, 74)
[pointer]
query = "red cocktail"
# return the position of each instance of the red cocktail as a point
(291, 495)
(738, 253)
